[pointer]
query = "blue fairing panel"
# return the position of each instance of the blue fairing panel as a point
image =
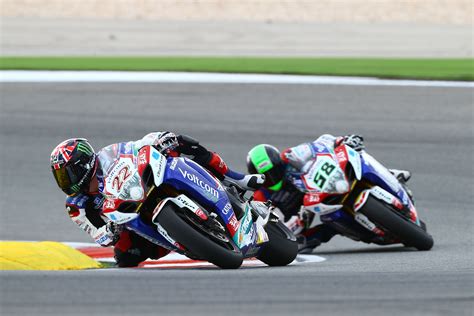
(147, 232)
(186, 175)
(336, 216)
(383, 178)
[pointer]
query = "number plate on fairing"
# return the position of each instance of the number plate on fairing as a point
(119, 175)
(316, 178)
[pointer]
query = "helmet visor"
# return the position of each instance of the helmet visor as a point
(66, 179)
(273, 176)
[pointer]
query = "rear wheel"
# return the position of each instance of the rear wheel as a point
(282, 247)
(410, 234)
(209, 246)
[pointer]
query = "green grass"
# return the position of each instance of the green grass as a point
(431, 69)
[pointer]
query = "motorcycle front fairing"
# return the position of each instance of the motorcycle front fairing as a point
(365, 167)
(379, 175)
(376, 173)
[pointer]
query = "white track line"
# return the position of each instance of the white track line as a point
(197, 77)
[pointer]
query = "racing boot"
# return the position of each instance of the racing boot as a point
(306, 245)
(297, 226)
(250, 182)
(311, 238)
(219, 168)
(403, 176)
(306, 237)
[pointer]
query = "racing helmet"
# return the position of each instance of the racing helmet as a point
(265, 159)
(73, 163)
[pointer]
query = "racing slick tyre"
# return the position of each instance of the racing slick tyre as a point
(409, 233)
(200, 244)
(281, 248)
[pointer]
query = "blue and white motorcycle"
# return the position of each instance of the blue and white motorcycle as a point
(360, 198)
(177, 204)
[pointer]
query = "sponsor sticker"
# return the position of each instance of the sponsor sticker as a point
(311, 198)
(201, 214)
(196, 180)
(173, 164)
(128, 148)
(101, 239)
(164, 233)
(234, 223)
(226, 209)
(142, 158)
(341, 156)
(263, 164)
(109, 204)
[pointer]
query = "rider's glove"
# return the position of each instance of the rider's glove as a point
(356, 142)
(166, 142)
(108, 235)
(115, 229)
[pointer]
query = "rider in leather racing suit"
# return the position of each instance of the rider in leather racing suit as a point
(79, 173)
(278, 187)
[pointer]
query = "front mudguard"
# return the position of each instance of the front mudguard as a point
(182, 201)
(386, 198)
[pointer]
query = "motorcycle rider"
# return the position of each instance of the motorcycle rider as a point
(78, 171)
(278, 169)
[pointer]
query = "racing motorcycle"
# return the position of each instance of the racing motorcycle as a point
(360, 198)
(177, 204)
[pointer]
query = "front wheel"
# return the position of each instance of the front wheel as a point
(410, 234)
(224, 255)
(281, 248)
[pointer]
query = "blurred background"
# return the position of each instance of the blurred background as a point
(363, 28)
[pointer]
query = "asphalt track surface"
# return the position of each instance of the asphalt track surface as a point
(424, 129)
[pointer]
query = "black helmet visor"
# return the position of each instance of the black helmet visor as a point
(66, 178)
(274, 175)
